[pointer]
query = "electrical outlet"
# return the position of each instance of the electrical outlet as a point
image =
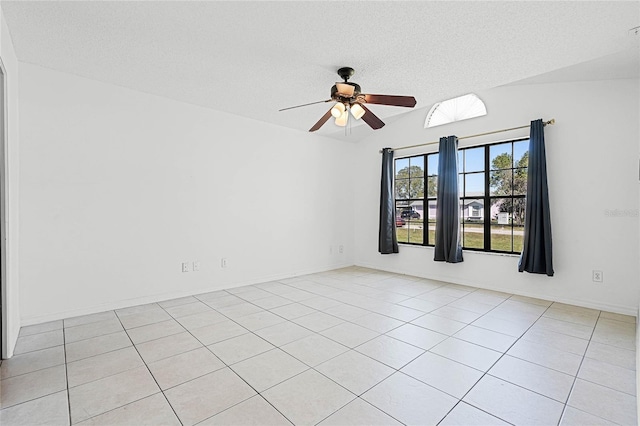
(341, 249)
(597, 276)
(196, 266)
(185, 266)
(223, 262)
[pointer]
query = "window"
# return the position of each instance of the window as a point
(492, 180)
(456, 109)
(409, 190)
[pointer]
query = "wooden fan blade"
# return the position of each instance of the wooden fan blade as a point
(370, 118)
(401, 101)
(321, 121)
(303, 105)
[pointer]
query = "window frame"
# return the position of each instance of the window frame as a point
(486, 198)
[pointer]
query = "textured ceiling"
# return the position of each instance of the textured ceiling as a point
(253, 58)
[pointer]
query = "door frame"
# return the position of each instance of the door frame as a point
(4, 308)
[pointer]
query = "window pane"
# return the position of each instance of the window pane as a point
(521, 154)
(461, 161)
(416, 167)
(432, 221)
(433, 186)
(501, 220)
(409, 218)
(432, 164)
(415, 233)
(500, 156)
(518, 223)
(499, 208)
(473, 210)
(473, 236)
(415, 222)
(520, 181)
(474, 185)
(416, 188)
(402, 188)
(501, 182)
(400, 207)
(402, 168)
(474, 160)
(413, 212)
(472, 218)
(461, 184)
(517, 211)
(501, 237)
(402, 233)
(518, 238)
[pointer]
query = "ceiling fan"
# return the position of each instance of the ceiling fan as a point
(348, 98)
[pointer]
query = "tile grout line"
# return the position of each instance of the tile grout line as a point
(223, 362)
(339, 286)
(150, 373)
(575, 378)
(279, 347)
(518, 339)
(448, 336)
(111, 375)
(66, 372)
(66, 387)
(319, 333)
(485, 373)
(394, 372)
(36, 370)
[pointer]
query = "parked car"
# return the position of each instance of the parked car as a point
(410, 214)
(400, 221)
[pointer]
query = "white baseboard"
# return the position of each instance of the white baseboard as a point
(125, 303)
(592, 304)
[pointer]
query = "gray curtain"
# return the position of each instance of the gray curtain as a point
(448, 248)
(536, 254)
(387, 239)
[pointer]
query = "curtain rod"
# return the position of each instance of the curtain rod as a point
(552, 121)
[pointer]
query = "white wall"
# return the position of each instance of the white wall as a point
(119, 187)
(11, 297)
(592, 159)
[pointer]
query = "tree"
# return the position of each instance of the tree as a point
(432, 186)
(410, 182)
(520, 175)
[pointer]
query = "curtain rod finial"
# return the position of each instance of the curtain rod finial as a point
(552, 121)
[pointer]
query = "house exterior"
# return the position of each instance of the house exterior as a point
(473, 210)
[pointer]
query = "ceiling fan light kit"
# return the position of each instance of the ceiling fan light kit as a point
(348, 97)
(338, 109)
(342, 120)
(357, 111)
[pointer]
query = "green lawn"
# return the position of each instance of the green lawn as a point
(501, 242)
(406, 235)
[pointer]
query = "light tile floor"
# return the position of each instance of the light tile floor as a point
(353, 346)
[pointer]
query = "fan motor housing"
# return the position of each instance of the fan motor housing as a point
(338, 97)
